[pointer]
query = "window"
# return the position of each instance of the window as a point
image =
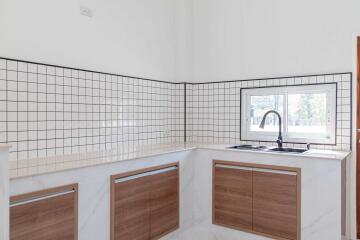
(308, 113)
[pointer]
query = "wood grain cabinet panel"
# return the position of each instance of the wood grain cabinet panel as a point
(45, 215)
(164, 203)
(275, 204)
(145, 203)
(256, 198)
(233, 198)
(132, 209)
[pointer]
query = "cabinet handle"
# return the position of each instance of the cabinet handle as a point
(36, 199)
(140, 175)
(275, 171)
(234, 167)
(256, 169)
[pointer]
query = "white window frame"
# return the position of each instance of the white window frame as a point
(330, 138)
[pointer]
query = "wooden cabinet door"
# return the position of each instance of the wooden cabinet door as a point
(275, 203)
(145, 203)
(232, 197)
(164, 203)
(131, 209)
(45, 215)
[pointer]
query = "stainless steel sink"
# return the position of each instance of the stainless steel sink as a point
(268, 149)
(288, 150)
(250, 147)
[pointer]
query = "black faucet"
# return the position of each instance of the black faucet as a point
(262, 125)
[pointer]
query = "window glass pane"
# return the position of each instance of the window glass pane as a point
(307, 113)
(259, 106)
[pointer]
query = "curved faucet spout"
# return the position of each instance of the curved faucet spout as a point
(262, 125)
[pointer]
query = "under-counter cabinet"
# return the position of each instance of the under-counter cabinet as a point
(49, 214)
(260, 199)
(233, 197)
(145, 203)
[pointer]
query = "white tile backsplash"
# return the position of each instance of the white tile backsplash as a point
(47, 111)
(213, 109)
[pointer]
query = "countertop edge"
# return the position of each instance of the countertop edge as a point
(5, 146)
(101, 163)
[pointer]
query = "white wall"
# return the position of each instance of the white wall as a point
(237, 39)
(183, 40)
(124, 36)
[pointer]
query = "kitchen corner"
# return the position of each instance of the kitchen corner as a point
(320, 173)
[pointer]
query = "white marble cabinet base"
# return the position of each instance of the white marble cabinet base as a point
(94, 190)
(4, 192)
(321, 193)
(320, 199)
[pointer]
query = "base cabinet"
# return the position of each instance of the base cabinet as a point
(45, 215)
(260, 199)
(164, 203)
(131, 209)
(233, 197)
(145, 203)
(275, 204)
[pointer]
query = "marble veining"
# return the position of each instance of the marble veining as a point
(60, 163)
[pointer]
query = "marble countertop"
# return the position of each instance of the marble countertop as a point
(4, 146)
(312, 153)
(36, 166)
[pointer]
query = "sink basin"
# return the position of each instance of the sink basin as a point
(250, 147)
(288, 150)
(268, 149)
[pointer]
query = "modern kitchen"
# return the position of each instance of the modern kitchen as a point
(179, 120)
